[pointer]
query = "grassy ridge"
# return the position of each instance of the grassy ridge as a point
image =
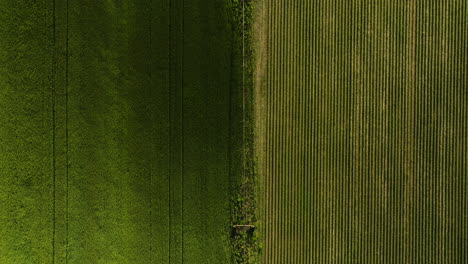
(245, 242)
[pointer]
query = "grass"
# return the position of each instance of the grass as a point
(116, 142)
(25, 152)
(149, 138)
(246, 243)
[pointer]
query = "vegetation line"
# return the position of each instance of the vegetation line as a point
(54, 189)
(244, 237)
(66, 130)
(151, 167)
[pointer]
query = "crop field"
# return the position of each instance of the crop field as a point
(147, 131)
(363, 131)
(115, 131)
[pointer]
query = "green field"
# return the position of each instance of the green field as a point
(362, 127)
(117, 120)
(141, 131)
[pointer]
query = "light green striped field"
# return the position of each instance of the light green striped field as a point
(363, 131)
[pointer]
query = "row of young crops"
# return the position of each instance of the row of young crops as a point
(363, 123)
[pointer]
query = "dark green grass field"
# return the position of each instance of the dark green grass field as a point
(115, 131)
